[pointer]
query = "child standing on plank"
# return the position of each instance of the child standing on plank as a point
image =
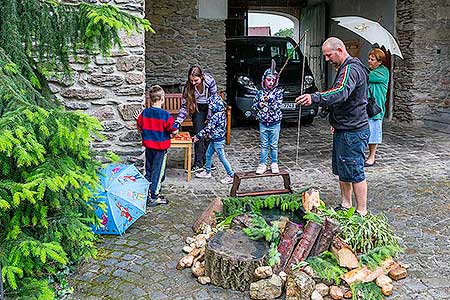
(267, 104)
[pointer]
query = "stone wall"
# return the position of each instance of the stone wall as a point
(110, 88)
(422, 79)
(182, 39)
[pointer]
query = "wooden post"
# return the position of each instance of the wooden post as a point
(228, 135)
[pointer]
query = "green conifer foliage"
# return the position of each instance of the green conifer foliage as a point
(47, 169)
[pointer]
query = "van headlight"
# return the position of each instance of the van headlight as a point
(309, 81)
(246, 82)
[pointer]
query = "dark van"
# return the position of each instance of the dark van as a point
(248, 57)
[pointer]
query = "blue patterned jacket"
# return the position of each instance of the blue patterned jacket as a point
(217, 123)
(269, 113)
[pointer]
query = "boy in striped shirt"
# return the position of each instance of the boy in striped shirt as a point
(156, 126)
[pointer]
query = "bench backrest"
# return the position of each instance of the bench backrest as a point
(172, 103)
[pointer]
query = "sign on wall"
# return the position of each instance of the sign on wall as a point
(212, 9)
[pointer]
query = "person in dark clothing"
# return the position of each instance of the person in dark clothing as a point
(156, 126)
(199, 87)
(346, 101)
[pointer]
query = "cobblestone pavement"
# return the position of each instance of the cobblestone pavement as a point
(409, 183)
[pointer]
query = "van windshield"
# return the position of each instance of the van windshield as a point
(262, 50)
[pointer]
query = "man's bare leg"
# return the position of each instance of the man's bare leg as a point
(360, 190)
(346, 193)
(372, 150)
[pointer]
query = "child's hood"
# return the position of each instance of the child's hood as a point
(270, 72)
(216, 104)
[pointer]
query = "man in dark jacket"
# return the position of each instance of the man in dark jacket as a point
(346, 101)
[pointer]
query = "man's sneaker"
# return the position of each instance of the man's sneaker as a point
(275, 169)
(213, 167)
(227, 180)
(203, 174)
(158, 201)
(261, 169)
(196, 169)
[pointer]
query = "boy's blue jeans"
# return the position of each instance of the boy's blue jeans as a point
(268, 136)
(217, 147)
(155, 169)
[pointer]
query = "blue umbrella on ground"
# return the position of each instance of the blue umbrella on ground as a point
(123, 197)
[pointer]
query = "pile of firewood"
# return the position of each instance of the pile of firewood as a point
(195, 258)
(296, 244)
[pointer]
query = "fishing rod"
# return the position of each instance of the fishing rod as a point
(302, 86)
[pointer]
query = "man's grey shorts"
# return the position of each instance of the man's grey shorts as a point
(348, 154)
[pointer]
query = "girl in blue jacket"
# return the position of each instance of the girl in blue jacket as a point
(267, 104)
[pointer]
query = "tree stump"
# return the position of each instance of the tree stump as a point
(231, 258)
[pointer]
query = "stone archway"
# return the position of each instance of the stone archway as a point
(281, 12)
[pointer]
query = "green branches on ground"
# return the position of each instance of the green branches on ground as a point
(366, 291)
(271, 234)
(362, 233)
(326, 267)
(376, 256)
(286, 203)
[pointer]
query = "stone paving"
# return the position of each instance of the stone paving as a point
(410, 184)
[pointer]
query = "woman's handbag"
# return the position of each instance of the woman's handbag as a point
(372, 107)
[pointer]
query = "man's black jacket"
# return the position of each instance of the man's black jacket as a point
(347, 98)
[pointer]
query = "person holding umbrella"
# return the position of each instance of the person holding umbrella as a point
(346, 101)
(378, 84)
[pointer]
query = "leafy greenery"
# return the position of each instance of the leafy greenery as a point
(289, 202)
(326, 267)
(366, 291)
(47, 169)
(271, 234)
(375, 257)
(362, 233)
(285, 32)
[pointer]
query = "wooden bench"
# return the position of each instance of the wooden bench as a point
(238, 176)
(172, 104)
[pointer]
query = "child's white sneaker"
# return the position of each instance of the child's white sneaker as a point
(227, 180)
(203, 174)
(261, 169)
(275, 169)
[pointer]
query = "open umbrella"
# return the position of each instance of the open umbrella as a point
(371, 31)
(124, 194)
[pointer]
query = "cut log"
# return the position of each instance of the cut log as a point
(304, 246)
(345, 256)
(208, 216)
(289, 239)
(231, 259)
(362, 274)
(310, 200)
(329, 231)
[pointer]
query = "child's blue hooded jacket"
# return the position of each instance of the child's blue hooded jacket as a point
(217, 123)
(271, 112)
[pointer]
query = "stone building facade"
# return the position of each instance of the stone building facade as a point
(422, 79)
(182, 39)
(110, 88)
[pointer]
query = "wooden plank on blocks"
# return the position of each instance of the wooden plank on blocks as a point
(263, 193)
